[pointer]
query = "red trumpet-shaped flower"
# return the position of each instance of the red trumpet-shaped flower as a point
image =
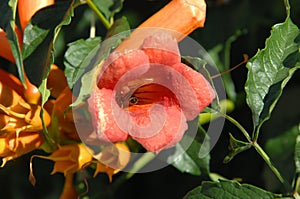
(148, 94)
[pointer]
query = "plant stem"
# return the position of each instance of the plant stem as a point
(287, 7)
(99, 14)
(267, 159)
(257, 147)
(93, 26)
(296, 188)
(140, 163)
(238, 125)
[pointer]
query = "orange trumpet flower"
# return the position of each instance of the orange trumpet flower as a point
(27, 8)
(12, 147)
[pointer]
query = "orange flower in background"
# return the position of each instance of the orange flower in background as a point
(180, 16)
(20, 121)
(69, 159)
(112, 159)
(12, 147)
(16, 114)
(26, 9)
(5, 50)
(61, 116)
(69, 191)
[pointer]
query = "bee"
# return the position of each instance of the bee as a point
(126, 97)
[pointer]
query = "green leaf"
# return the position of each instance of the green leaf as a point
(270, 70)
(119, 26)
(235, 147)
(193, 159)
(33, 37)
(281, 151)
(8, 18)
(78, 57)
(229, 190)
(109, 7)
(39, 36)
(282, 147)
(88, 80)
(49, 144)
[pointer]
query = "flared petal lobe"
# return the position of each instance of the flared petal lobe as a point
(192, 86)
(118, 64)
(163, 133)
(69, 159)
(161, 48)
(105, 112)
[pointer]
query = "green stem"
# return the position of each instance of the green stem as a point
(238, 125)
(93, 26)
(226, 106)
(256, 133)
(267, 159)
(287, 7)
(257, 147)
(99, 14)
(296, 187)
(140, 163)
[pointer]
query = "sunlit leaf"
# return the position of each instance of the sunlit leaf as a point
(8, 21)
(88, 80)
(78, 57)
(39, 36)
(270, 70)
(229, 190)
(49, 144)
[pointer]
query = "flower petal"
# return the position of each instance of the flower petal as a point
(70, 158)
(161, 48)
(56, 75)
(192, 90)
(12, 146)
(105, 111)
(12, 82)
(5, 50)
(118, 64)
(112, 159)
(27, 8)
(69, 191)
(171, 132)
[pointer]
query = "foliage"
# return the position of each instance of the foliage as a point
(62, 34)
